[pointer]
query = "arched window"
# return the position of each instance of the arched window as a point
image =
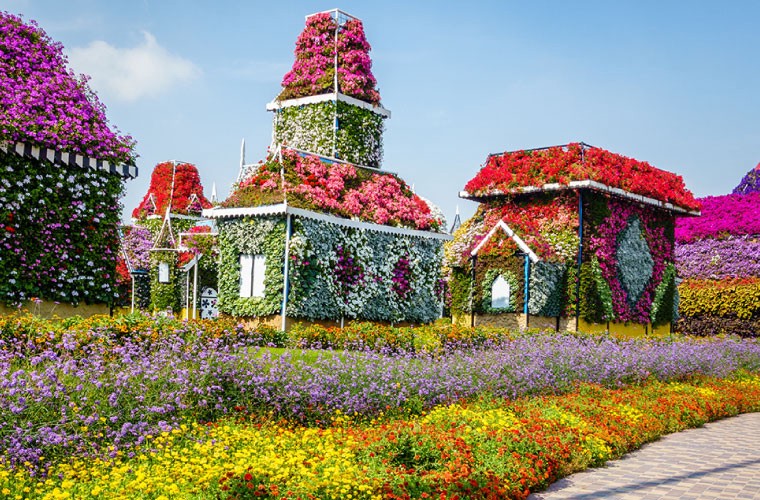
(501, 293)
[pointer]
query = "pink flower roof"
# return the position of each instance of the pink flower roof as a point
(313, 71)
(318, 184)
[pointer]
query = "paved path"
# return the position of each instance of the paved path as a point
(718, 461)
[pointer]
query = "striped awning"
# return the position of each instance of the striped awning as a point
(66, 159)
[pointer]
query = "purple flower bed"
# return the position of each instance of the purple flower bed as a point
(750, 183)
(98, 398)
(731, 214)
(717, 259)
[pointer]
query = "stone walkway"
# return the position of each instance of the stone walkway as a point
(718, 461)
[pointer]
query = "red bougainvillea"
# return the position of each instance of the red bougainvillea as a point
(577, 162)
(179, 185)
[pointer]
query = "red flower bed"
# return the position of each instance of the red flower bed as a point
(575, 162)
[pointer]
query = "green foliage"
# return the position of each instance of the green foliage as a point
(310, 128)
(548, 283)
(664, 297)
(515, 290)
(164, 295)
(596, 297)
(460, 285)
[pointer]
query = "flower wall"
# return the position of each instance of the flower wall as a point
(312, 127)
(58, 232)
(45, 103)
(313, 71)
(577, 162)
(335, 188)
(338, 271)
(718, 258)
(252, 236)
(334, 272)
(627, 251)
(627, 272)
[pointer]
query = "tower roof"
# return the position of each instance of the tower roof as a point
(331, 56)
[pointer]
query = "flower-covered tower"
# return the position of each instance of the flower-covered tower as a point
(570, 237)
(316, 231)
(329, 103)
(161, 244)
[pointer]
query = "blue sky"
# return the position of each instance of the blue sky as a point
(674, 83)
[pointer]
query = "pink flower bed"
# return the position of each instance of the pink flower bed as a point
(732, 214)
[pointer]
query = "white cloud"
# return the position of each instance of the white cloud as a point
(129, 74)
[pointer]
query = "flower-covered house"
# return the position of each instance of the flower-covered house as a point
(169, 255)
(317, 231)
(718, 259)
(570, 237)
(62, 173)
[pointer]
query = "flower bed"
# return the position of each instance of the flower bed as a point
(485, 449)
(722, 216)
(104, 390)
(718, 255)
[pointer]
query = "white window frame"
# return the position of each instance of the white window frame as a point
(163, 272)
(252, 271)
(496, 300)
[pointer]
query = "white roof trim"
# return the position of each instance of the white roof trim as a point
(190, 264)
(314, 99)
(64, 158)
(588, 184)
(282, 208)
(508, 230)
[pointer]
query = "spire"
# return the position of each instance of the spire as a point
(457, 222)
(213, 193)
(242, 153)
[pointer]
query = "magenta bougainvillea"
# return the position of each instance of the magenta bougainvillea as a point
(577, 162)
(731, 214)
(313, 71)
(45, 103)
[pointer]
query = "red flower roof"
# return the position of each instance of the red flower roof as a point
(180, 186)
(509, 172)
